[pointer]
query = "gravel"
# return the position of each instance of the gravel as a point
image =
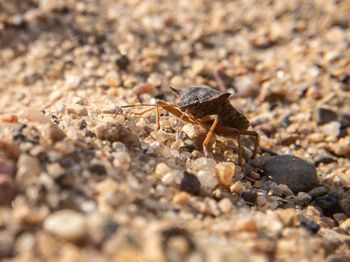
(82, 181)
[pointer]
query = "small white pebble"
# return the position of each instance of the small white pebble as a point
(121, 161)
(162, 169)
(204, 164)
(172, 178)
(207, 179)
(225, 205)
(66, 224)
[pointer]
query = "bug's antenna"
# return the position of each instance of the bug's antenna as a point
(177, 91)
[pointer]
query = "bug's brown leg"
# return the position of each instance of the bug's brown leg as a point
(233, 131)
(238, 137)
(176, 112)
(157, 116)
(256, 143)
(215, 119)
(135, 105)
(161, 104)
(146, 111)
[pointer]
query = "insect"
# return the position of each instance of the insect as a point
(209, 108)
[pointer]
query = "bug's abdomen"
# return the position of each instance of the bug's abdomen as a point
(230, 117)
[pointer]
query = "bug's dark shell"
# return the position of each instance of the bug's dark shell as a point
(196, 95)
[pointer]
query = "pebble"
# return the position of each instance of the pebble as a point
(286, 216)
(303, 199)
(318, 191)
(339, 217)
(9, 119)
(6, 244)
(27, 167)
(225, 172)
(342, 147)
(249, 196)
(76, 109)
(36, 116)
(247, 87)
(338, 258)
(9, 149)
(196, 133)
(324, 159)
(173, 178)
(284, 189)
(325, 115)
(237, 187)
(122, 62)
(7, 166)
(113, 79)
(162, 169)
(344, 119)
(345, 205)
(225, 205)
(207, 179)
(346, 225)
(181, 198)
(113, 132)
(309, 225)
(328, 203)
(331, 129)
(121, 161)
(101, 228)
(82, 124)
(204, 164)
(67, 224)
(54, 133)
(293, 171)
(143, 88)
(247, 224)
(97, 169)
(190, 184)
(262, 201)
(107, 186)
(334, 238)
(7, 189)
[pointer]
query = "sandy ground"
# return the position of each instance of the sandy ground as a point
(80, 183)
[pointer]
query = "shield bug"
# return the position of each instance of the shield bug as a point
(209, 108)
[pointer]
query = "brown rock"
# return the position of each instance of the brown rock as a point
(7, 166)
(7, 190)
(77, 109)
(54, 133)
(9, 149)
(113, 132)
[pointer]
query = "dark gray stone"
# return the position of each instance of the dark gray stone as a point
(309, 225)
(325, 115)
(298, 174)
(190, 184)
(328, 203)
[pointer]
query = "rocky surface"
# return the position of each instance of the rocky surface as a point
(83, 180)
